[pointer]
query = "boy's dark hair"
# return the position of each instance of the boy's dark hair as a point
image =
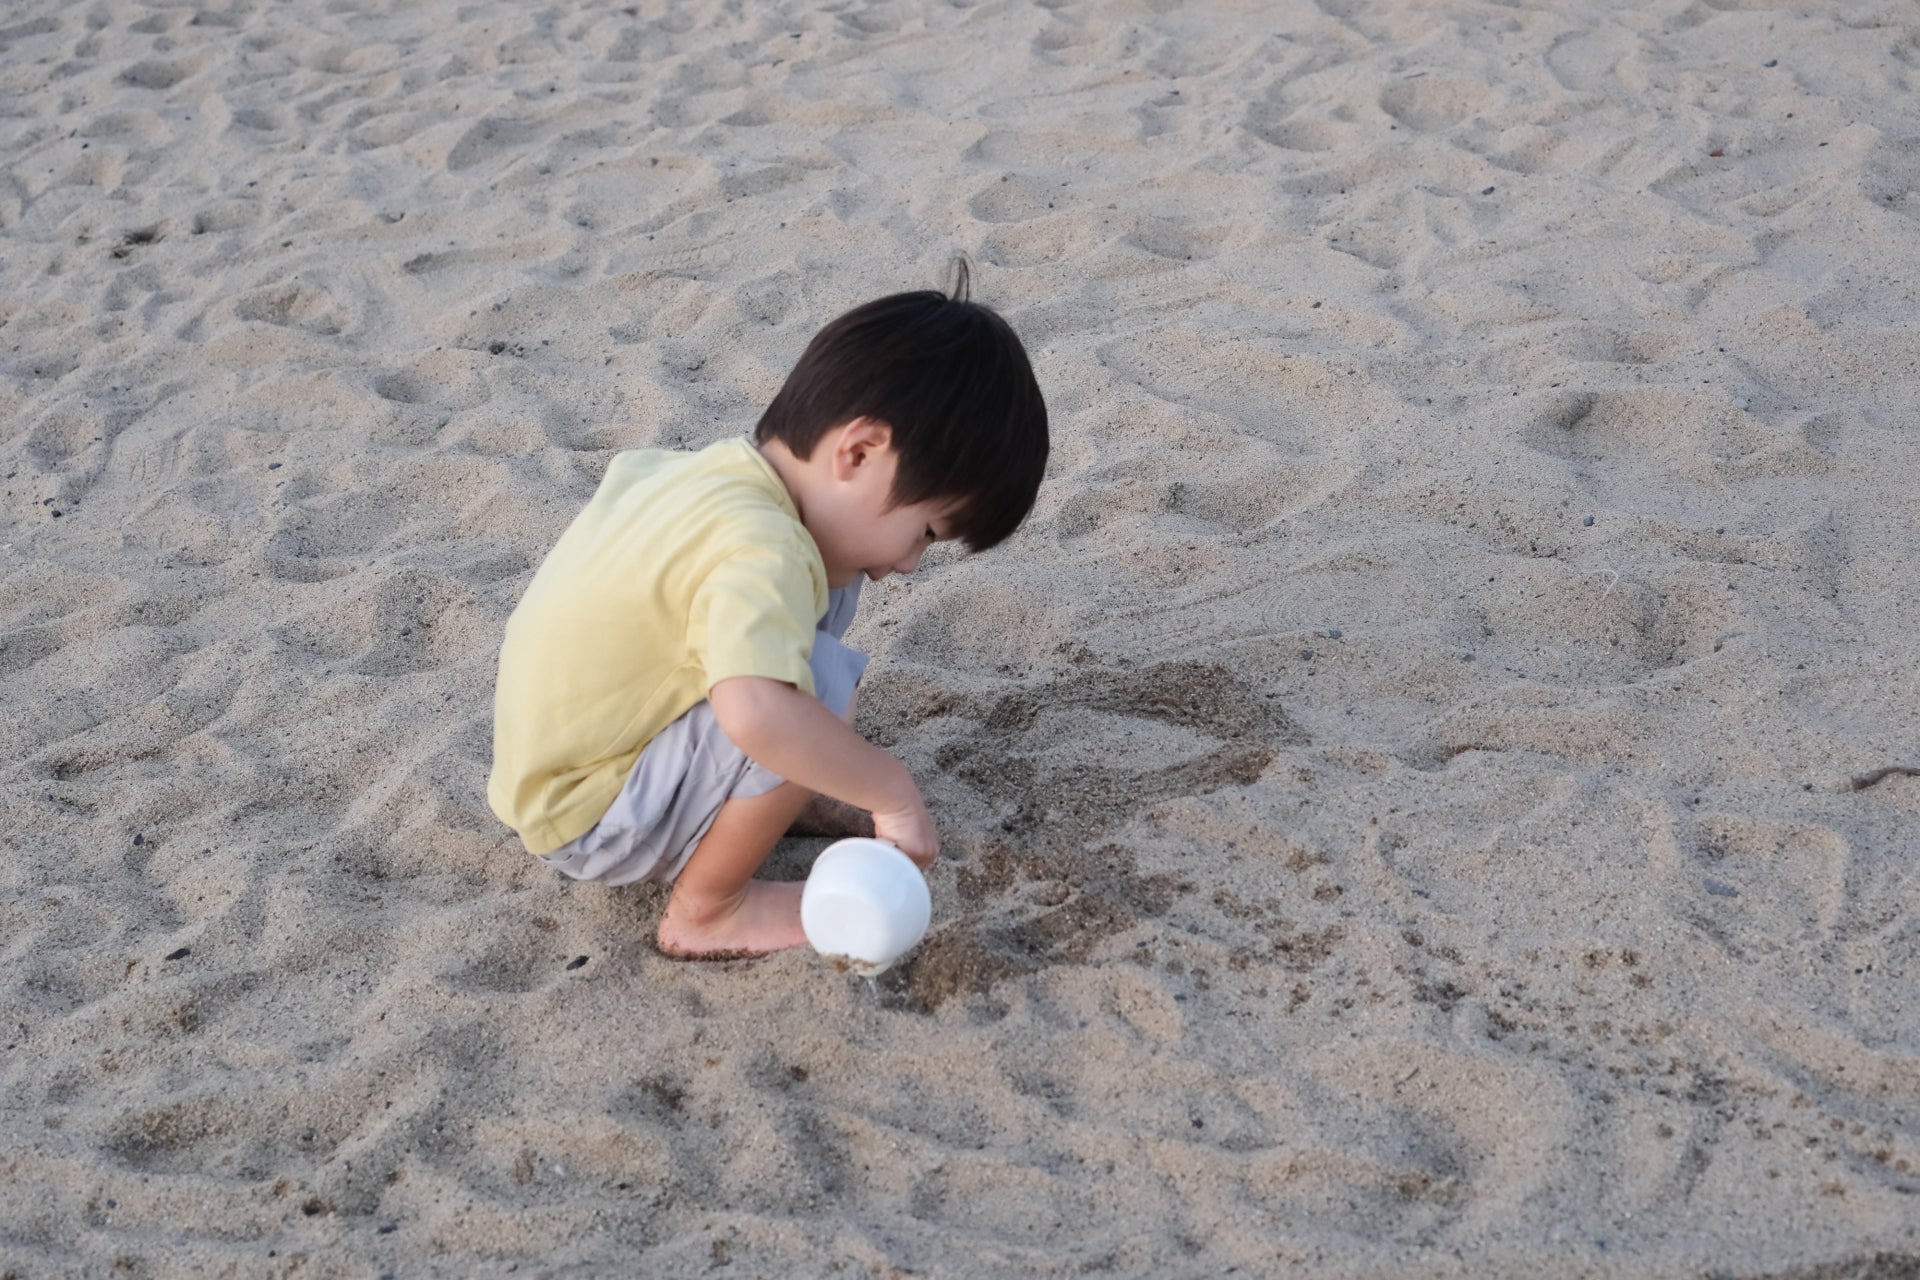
(951, 379)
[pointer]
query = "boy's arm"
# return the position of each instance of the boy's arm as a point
(794, 735)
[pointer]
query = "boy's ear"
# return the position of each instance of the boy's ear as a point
(855, 444)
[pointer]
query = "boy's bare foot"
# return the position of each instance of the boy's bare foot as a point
(835, 819)
(765, 917)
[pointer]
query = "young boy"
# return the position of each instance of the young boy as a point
(673, 688)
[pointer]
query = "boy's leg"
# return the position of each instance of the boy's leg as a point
(837, 669)
(834, 819)
(718, 909)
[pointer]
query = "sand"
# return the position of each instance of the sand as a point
(1415, 794)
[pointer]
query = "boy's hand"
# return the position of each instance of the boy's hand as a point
(911, 831)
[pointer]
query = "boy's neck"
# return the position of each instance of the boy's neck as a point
(792, 471)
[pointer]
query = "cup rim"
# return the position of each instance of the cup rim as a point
(869, 844)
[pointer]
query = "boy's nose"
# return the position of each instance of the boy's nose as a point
(911, 563)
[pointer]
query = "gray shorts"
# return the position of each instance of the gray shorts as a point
(675, 789)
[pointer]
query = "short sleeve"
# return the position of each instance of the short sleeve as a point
(752, 616)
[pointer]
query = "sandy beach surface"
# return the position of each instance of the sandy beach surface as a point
(1431, 792)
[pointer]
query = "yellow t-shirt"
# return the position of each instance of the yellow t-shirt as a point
(684, 569)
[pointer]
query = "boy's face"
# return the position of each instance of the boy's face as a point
(852, 521)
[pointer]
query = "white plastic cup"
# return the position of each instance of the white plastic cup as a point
(865, 905)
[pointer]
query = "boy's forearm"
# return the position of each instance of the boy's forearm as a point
(794, 735)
